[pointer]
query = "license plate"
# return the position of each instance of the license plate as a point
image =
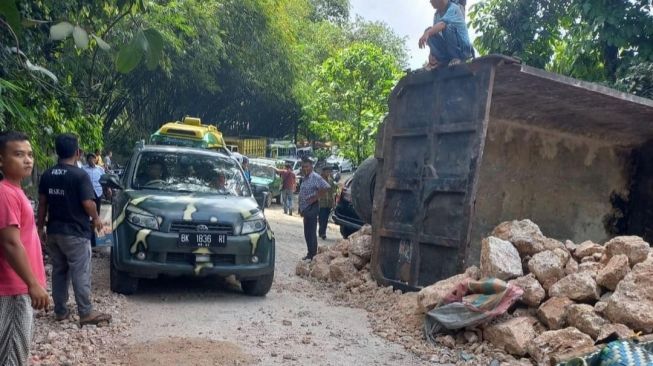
(202, 240)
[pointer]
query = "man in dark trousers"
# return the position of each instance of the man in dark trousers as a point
(327, 201)
(66, 195)
(313, 186)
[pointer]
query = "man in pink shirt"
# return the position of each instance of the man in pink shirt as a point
(22, 276)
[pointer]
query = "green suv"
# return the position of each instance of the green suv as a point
(184, 211)
(264, 174)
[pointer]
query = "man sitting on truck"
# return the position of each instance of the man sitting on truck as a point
(448, 38)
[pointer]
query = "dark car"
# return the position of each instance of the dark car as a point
(185, 211)
(344, 215)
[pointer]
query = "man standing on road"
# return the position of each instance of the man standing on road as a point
(67, 196)
(313, 187)
(22, 276)
(95, 172)
(288, 182)
(327, 201)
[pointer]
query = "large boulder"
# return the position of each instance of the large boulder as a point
(361, 245)
(615, 271)
(525, 235)
(342, 270)
(548, 266)
(578, 287)
(431, 296)
(583, 317)
(553, 342)
(632, 302)
(588, 248)
(533, 291)
(553, 312)
(633, 247)
(500, 259)
(513, 335)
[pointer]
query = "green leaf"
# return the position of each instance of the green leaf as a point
(141, 41)
(129, 57)
(81, 37)
(101, 43)
(61, 31)
(155, 52)
(9, 11)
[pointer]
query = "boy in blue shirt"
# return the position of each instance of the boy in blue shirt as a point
(448, 38)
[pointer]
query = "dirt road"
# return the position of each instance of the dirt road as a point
(203, 322)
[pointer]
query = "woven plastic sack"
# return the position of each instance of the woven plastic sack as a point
(616, 353)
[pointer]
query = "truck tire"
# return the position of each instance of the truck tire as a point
(362, 189)
(122, 282)
(258, 287)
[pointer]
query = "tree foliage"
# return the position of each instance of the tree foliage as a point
(597, 40)
(350, 97)
(112, 71)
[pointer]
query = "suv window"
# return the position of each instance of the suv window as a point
(262, 171)
(189, 172)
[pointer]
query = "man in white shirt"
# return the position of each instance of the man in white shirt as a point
(95, 172)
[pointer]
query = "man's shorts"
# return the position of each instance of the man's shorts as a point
(16, 329)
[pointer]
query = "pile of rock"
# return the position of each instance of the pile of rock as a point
(574, 295)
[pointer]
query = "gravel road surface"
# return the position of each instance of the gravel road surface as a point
(191, 321)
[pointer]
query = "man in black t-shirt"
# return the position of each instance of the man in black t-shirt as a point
(66, 195)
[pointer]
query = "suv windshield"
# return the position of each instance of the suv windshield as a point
(188, 172)
(262, 171)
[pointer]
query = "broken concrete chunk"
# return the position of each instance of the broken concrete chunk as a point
(430, 296)
(616, 269)
(533, 291)
(500, 259)
(634, 247)
(552, 312)
(513, 335)
(588, 248)
(578, 287)
(303, 269)
(342, 246)
(632, 302)
(547, 344)
(583, 317)
(366, 229)
(524, 235)
(622, 332)
(357, 261)
(548, 267)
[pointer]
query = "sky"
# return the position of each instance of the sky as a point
(406, 17)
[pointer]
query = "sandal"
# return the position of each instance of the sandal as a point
(95, 318)
(63, 317)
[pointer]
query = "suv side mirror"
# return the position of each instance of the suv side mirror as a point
(110, 180)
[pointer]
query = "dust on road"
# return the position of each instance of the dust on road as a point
(293, 325)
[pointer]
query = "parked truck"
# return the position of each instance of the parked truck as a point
(465, 148)
(247, 146)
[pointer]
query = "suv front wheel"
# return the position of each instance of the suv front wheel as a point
(258, 287)
(122, 282)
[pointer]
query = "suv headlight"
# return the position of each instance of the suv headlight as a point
(142, 218)
(254, 225)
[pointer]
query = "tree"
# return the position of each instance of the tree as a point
(594, 40)
(350, 97)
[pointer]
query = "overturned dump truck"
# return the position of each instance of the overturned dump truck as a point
(466, 147)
